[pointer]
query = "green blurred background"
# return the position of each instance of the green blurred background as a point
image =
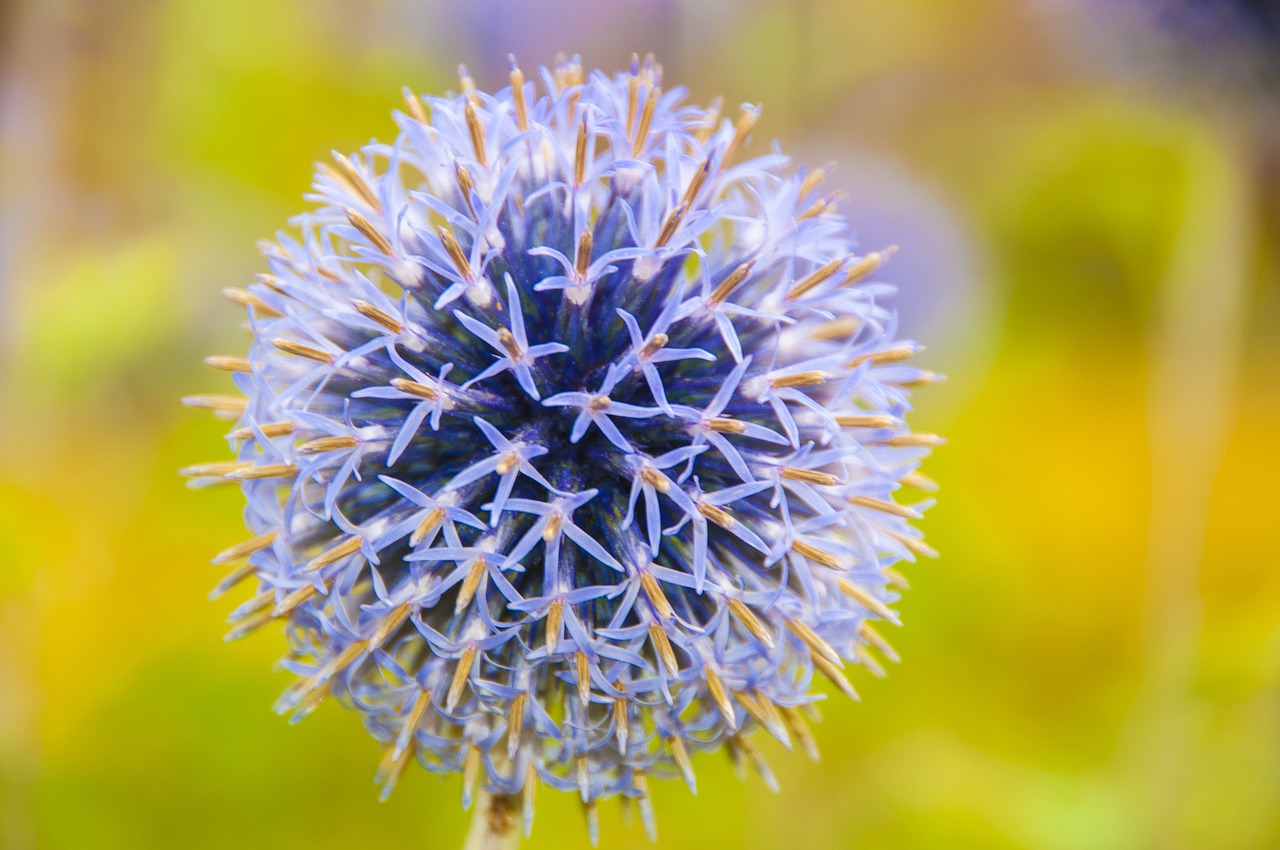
(1086, 196)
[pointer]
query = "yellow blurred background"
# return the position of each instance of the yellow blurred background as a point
(1087, 196)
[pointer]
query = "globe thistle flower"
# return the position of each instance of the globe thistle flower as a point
(571, 441)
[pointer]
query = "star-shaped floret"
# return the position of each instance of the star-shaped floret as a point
(510, 461)
(555, 520)
(513, 345)
(597, 408)
(431, 394)
(647, 350)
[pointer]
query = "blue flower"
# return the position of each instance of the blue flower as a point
(572, 441)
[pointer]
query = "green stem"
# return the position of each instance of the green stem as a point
(495, 824)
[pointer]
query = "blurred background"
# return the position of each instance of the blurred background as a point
(1087, 198)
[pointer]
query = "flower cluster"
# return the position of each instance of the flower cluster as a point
(570, 439)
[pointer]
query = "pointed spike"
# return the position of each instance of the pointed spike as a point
(734, 751)
(375, 314)
(455, 252)
(725, 425)
(429, 524)
(334, 554)
(885, 506)
(468, 84)
(593, 822)
(681, 757)
(270, 281)
(913, 544)
(465, 185)
(552, 530)
(640, 782)
(747, 119)
(709, 122)
(873, 637)
(773, 719)
(912, 440)
(646, 119)
(813, 553)
(226, 406)
(245, 298)
(796, 723)
(368, 231)
(580, 154)
(470, 770)
(262, 472)
(812, 178)
(224, 363)
(252, 606)
(582, 262)
(720, 696)
(310, 703)
(867, 265)
(717, 514)
(816, 278)
(232, 579)
(757, 760)
(390, 770)
(820, 207)
(584, 678)
(864, 597)
(248, 626)
(819, 646)
(837, 329)
(810, 476)
(269, 430)
(919, 481)
(294, 694)
(321, 445)
(296, 598)
(875, 420)
(216, 468)
(695, 183)
(867, 660)
(833, 673)
(470, 584)
(353, 181)
(530, 790)
(621, 723)
(583, 765)
(657, 598)
(517, 95)
(810, 378)
(755, 704)
(895, 578)
(461, 674)
(395, 617)
(477, 134)
(633, 100)
(340, 662)
(671, 225)
(663, 646)
(515, 725)
(554, 615)
(885, 356)
(411, 722)
(730, 283)
(415, 389)
(414, 107)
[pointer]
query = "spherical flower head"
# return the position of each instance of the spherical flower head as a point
(571, 439)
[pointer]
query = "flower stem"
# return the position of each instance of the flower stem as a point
(495, 824)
